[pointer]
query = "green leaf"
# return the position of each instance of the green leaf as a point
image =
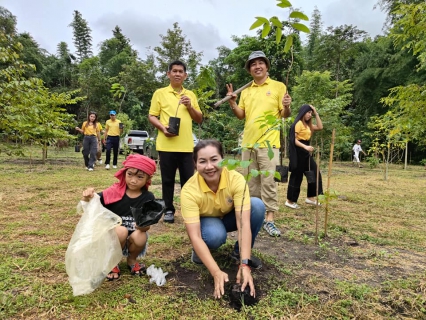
(288, 43)
(299, 15)
(284, 4)
(277, 175)
(254, 173)
(300, 27)
(266, 29)
(270, 151)
(276, 22)
(278, 35)
(245, 164)
(259, 21)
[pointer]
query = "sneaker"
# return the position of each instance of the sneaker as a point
(293, 205)
(107, 167)
(169, 217)
(100, 161)
(115, 167)
(309, 201)
(271, 229)
(195, 259)
(90, 169)
(256, 263)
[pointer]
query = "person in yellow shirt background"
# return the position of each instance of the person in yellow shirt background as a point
(113, 129)
(174, 150)
(91, 129)
(301, 159)
(263, 95)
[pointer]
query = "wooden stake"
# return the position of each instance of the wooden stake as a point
(330, 164)
(316, 198)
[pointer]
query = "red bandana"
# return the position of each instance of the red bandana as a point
(117, 190)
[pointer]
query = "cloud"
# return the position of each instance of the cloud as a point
(144, 32)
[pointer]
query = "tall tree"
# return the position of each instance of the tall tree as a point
(81, 36)
(337, 50)
(27, 108)
(313, 38)
(175, 46)
(7, 22)
(116, 52)
(32, 53)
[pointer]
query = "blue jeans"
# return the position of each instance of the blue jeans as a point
(214, 230)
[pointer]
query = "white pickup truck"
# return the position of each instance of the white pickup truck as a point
(133, 141)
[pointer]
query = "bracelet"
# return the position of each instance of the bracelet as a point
(288, 106)
(243, 265)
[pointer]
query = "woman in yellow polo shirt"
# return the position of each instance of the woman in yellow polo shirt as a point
(301, 159)
(210, 200)
(91, 129)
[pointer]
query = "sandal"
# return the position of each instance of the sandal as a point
(115, 270)
(137, 269)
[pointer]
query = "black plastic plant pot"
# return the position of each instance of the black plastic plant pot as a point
(174, 125)
(283, 171)
(149, 214)
(239, 298)
(77, 148)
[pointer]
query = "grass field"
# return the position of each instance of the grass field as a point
(371, 265)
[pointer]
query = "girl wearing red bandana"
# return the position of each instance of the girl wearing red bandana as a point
(130, 191)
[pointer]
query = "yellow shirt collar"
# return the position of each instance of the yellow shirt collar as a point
(267, 81)
(170, 88)
(223, 183)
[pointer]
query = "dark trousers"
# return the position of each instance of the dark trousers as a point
(90, 147)
(169, 163)
(304, 161)
(114, 143)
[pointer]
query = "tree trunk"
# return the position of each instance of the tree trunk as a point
(44, 153)
(406, 156)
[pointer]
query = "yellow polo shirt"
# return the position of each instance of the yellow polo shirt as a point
(164, 103)
(113, 127)
(255, 101)
(90, 130)
(303, 133)
(198, 200)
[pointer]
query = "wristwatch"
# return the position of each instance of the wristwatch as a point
(247, 262)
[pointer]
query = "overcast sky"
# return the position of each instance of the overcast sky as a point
(206, 23)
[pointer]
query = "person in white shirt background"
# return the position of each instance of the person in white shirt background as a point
(357, 149)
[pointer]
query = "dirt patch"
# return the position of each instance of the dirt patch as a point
(308, 268)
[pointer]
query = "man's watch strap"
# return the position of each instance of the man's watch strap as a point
(247, 262)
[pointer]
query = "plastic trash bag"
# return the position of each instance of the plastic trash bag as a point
(149, 214)
(94, 249)
(157, 275)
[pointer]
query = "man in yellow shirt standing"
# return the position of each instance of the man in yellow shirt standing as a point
(264, 95)
(175, 150)
(113, 129)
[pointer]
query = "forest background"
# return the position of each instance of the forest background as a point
(364, 88)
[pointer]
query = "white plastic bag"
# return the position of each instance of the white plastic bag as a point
(94, 248)
(157, 275)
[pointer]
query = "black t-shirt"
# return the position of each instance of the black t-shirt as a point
(122, 207)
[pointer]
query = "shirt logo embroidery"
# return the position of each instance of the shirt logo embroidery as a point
(268, 93)
(229, 200)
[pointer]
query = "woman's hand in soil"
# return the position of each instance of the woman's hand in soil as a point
(88, 194)
(220, 278)
(245, 273)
